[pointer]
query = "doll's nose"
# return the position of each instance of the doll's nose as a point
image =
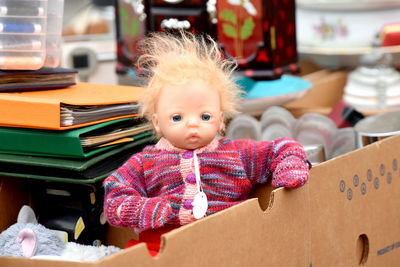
(193, 122)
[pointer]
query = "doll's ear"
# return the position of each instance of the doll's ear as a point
(156, 123)
(27, 238)
(26, 215)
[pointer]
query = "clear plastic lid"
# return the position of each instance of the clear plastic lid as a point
(30, 34)
(22, 34)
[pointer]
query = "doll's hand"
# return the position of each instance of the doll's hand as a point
(155, 213)
(142, 213)
(292, 172)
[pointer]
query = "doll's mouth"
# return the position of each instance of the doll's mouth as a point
(193, 138)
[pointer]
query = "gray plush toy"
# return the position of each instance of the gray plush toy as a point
(28, 238)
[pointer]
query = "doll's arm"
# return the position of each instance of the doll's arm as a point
(126, 203)
(289, 165)
(282, 160)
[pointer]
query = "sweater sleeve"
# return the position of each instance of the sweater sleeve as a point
(125, 188)
(282, 161)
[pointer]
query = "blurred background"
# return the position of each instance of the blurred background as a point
(89, 38)
(331, 34)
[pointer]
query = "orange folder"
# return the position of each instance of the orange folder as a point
(42, 109)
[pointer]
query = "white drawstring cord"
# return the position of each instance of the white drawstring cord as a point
(200, 202)
(197, 172)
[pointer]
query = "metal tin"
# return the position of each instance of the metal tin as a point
(315, 153)
(377, 127)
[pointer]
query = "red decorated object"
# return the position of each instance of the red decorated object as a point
(240, 29)
(259, 34)
(390, 34)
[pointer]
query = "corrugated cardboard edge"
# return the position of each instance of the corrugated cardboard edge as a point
(238, 236)
(242, 236)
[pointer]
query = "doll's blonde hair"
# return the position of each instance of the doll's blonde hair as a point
(176, 59)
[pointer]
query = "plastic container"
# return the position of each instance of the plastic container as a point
(26, 43)
(55, 11)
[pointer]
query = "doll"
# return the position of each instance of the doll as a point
(190, 173)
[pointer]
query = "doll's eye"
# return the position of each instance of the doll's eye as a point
(176, 118)
(205, 117)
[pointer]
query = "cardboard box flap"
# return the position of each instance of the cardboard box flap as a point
(22, 262)
(244, 234)
(355, 207)
(13, 195)
(327, 90)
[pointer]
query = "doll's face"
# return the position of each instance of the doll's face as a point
(189, 115)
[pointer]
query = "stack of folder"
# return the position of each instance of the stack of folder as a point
(78, 134)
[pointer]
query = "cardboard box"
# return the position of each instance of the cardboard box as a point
(347, 215)
(327, 89)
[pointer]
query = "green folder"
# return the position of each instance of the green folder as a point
(70, 170)
(76, 143)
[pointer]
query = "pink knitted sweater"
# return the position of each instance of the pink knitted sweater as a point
(156, 186)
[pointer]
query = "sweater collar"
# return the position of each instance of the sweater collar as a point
(164, 144)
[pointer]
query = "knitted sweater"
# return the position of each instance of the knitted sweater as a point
(155, 187)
